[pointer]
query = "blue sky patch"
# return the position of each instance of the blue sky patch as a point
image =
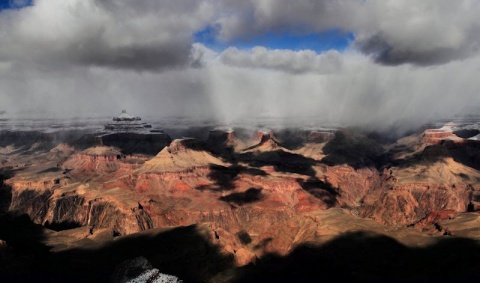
(318, 42)
(14, 4)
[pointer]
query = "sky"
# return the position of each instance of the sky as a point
(379, 64)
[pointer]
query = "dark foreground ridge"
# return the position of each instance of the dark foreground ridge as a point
(181, 251)
(184, 252)
(365, 257)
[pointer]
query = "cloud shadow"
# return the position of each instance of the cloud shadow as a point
(363, 257)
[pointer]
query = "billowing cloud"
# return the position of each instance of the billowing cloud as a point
(295, 62)
(119, 34)
(420, 32)
(394, 32)
(250, 18)
(157, 35)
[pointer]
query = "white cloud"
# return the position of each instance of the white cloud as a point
(394, 32)
(295, 62)
(359, 91)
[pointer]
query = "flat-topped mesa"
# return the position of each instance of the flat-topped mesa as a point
(126, 122)
(130, 135)
(101, 150)
(98, 159)
(437, 136)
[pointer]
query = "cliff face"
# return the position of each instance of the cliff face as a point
(430, 174)
(410, 203)
(222, 141)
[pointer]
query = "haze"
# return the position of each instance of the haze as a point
(404, 62)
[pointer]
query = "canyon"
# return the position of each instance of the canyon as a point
(238, 205)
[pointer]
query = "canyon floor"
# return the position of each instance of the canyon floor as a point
(236, 205)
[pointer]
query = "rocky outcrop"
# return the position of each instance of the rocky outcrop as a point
(263, 135)
(181, 155)
(408, 195)
(222, 141)
(263, 141)
(141, 270)
(68, 211)
(103, 164)
(410, 204)
(437, 136)
(34, 203)
(434, 136)
(350, 185)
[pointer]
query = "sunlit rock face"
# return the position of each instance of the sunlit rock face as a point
(251, 197)
(445, 133)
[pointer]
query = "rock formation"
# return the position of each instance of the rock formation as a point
(222, 141)
(248, 201)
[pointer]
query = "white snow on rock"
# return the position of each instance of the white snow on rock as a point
(140, 270)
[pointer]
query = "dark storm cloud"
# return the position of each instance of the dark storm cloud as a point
(138, 35)
(157, 35)
(393, 32)
(384, 53)
(249, 18)
(139, 57)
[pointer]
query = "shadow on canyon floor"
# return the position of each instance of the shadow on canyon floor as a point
(466, 154)
(281, 160)
(292, 138)
(224, 177)
(24, 248)
(249, 196)
(432, 154)
(321, 190)
(5, 190)
(354, 149)
(184, 252)
(363, 257)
